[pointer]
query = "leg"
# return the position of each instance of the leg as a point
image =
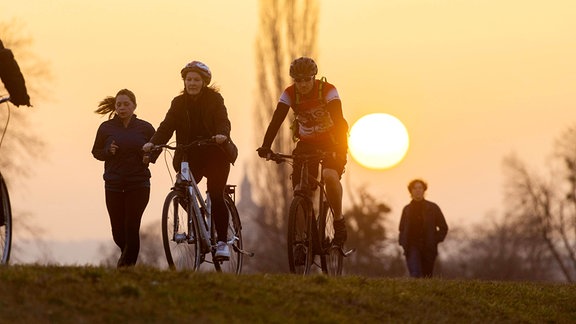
(217, 176)
(334, 191)
(135, 204)
(115, 206)
(428, 259)
(334, 195)
(414, 262)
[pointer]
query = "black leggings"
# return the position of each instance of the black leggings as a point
(125, 210)
(210, 162)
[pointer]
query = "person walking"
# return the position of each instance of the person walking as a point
(319, 125)
(199, 113)
(126, 175)
(422, 227)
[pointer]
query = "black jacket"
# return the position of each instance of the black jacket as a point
(434, 227)
(124, 171)
(203, 117)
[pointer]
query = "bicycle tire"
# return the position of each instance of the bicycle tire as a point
(181, 249)
(5, 223)
(234, 265)
(331, 257)
(300, 240)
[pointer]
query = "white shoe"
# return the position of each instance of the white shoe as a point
(222, 251)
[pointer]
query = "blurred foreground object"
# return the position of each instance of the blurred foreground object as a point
(12, 78)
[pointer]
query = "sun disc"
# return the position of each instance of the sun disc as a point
(378, 141)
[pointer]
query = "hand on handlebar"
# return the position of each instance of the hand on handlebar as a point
(264, 152)
(220, 138)
(147, 147)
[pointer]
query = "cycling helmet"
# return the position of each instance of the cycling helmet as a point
(199, 67)
(303, 67)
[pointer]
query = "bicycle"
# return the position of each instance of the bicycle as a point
(188, 231)
(5, 211)
(310, 234)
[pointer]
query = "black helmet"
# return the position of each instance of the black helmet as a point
(201, 68)
(303, 67)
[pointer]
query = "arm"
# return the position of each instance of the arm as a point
(167, 126)
(221, 122)
(152, 157)
(277, 119)
(441, 225)
(402, 228)
(334, 108)
(101, 149)
(12, 78)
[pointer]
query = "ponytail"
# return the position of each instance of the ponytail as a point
(107, 106)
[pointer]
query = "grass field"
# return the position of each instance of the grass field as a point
(53, 294)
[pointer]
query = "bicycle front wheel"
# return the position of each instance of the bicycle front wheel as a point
(234, 265)
(5, 223)
(331, 256)
(300, 240)
(181, 244)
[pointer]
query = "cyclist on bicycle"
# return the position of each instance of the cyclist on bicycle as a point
(199, 113)
(319, 125)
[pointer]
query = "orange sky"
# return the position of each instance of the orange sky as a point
(472, 81)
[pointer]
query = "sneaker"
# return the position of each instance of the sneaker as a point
(222, 251)
(300, 255)
(340, 234)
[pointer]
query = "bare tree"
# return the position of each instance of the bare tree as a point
(371, 234)
(287, 30)
(547, 209)
(496, 249)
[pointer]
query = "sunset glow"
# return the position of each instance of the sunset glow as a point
(378, 141)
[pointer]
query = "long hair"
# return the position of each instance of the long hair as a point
(108, 104)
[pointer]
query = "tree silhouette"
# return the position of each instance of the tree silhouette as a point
(546, 209)
(370, 232)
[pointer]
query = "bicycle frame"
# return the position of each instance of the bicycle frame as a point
(308, 233)
(200, 209)
(192, 235)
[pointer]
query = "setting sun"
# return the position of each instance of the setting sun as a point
(378, 141)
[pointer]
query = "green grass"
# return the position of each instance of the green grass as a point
(53, 294)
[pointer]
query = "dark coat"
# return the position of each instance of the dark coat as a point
(203, 117)
(124, 171)
(434, 226)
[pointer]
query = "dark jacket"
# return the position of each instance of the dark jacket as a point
(124, 171)
(433, 226)
(203, 117)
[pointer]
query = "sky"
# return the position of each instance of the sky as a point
(472, 81)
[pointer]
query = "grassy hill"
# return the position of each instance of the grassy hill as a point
(52, 294)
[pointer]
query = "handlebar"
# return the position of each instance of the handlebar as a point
(281, 157)
(208, 141)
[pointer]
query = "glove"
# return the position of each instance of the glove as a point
(264, 152)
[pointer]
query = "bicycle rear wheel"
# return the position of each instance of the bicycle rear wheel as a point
(300, 240)
(5, 223)
(331, 256)
(180, 242)
(234, 265)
